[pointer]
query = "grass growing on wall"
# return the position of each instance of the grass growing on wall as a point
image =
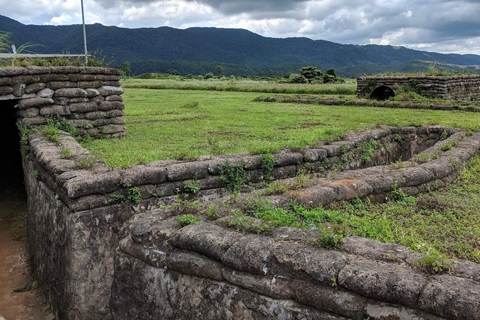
(177, 124)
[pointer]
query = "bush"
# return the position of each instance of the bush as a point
(311, 73)
(296, 78)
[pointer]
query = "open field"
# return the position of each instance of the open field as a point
(175, 124)
(240, 85)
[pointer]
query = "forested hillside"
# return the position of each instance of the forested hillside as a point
(240, 52)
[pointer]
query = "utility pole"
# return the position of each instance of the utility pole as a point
(84, 35)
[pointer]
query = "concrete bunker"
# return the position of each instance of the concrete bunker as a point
(383, 93)
(461, 87)
(11, 171)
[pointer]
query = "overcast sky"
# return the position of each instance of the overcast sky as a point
(432, 25)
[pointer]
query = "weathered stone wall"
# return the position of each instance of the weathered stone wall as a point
(206, 271)
(101, 187)
(449, 87)
(90, 98)
(75, 214)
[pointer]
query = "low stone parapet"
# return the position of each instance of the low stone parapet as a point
(206, 271)
(88, 97)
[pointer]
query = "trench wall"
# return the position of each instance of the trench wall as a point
(206, 271)
(465, 87)
(89, 98)
(76, 213)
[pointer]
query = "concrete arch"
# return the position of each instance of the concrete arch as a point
(383, 92)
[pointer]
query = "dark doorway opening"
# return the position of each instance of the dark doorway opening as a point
(382, 93)
(11, 170)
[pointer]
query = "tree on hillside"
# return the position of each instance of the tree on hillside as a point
(311, 73)
(220, 71)
(330, 76)
(296, 78)
(126, 68)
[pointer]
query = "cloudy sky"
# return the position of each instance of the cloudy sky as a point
(432, 25)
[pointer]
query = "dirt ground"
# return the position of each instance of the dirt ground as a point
(14, 272)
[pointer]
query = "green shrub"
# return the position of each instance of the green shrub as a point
(86, 163)
(234, 175)
(296, 78)
(134, 195)
(51, 132)
(267, 164)
(191, 187)
(435, 262)
(329, 240)
(187, 219)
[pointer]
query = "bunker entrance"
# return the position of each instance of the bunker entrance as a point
(382, 93)
(11, 171)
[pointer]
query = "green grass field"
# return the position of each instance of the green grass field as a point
(178, 124)
(240, 85)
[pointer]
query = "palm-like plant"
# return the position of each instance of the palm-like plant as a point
(5, 46)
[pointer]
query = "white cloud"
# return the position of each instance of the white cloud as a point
(440, 25)
(62, 19)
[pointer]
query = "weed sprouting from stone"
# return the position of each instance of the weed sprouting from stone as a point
(191, 187)
(449, 145)
(435, 262)
(368, 149)
(86, 163)
(234, 175)
(267, 164)
(65, 153)
(187, 219)
(134, 195)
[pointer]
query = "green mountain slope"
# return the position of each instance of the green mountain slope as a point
(195, 50)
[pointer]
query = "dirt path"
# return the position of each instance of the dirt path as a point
(14, 274)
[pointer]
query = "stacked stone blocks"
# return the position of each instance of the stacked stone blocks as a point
(89, 98)
(462, 87)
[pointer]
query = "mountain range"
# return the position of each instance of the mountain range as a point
(240, 52)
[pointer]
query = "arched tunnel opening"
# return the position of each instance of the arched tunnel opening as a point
(382, 93)
(11, 170)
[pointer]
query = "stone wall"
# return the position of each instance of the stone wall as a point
(78, 207)
(90, 98)
(206, 271)
(448, 87)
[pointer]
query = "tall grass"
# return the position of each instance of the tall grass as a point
(241, 85)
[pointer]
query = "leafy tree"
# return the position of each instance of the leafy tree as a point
(209, 75)
(331, 72)
(175, 73)
(297, 78)
(311, 73)
(220, 70)
(330, 76)
(126, 68)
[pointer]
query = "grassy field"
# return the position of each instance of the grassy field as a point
(177, 124)
(240, 85)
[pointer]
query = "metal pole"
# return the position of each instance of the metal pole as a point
(84, 35)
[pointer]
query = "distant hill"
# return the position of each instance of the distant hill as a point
(241, 52)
